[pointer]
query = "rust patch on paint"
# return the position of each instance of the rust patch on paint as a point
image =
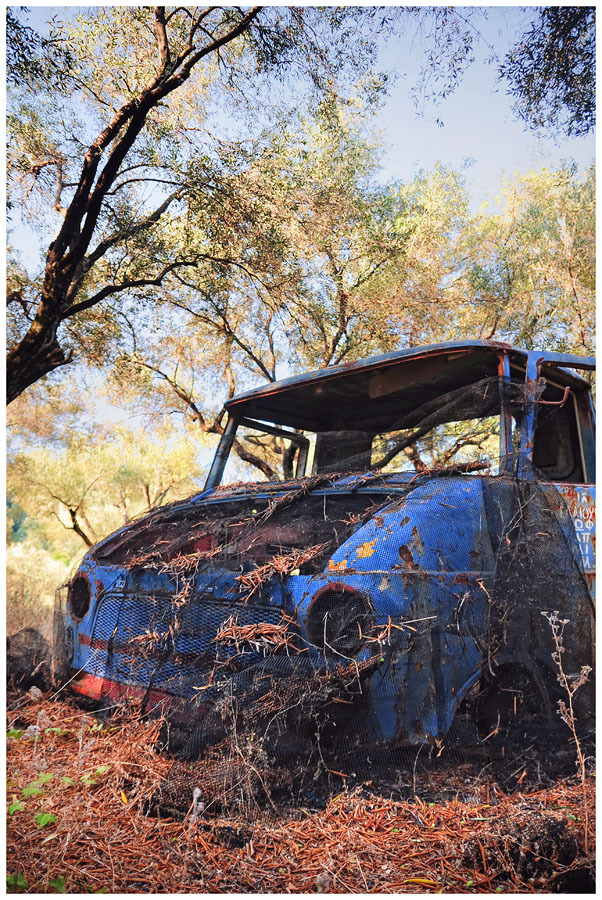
(406, 556)
(417, 540)
(365, 550)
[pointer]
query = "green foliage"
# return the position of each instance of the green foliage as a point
(17, 806)
(17, 521)
(16, 733)
(530, 266)
(334, 268)
(31, 58)
(36, 787)
(33, 789)
(94, 778)
(58, 884)
(177, 77)
(16, 883)
(551, 72)
(47, 415)
(449, 37)
(45, 777)
(32, 576)
(277, 236)
(291, 254)
(43, 819)
(69, 492)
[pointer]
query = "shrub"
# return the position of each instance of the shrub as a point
(32, 576)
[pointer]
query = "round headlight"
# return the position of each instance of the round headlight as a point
(339, 619)
(79, 597)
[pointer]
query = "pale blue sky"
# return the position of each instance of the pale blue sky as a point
(478, 121)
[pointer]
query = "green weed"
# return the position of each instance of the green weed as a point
(17, 806)
(93, 777)
(43, 819)
(16, 733)
(16, 884)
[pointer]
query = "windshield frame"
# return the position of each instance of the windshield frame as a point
(508, 452)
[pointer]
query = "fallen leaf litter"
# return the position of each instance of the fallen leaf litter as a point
(97, 836)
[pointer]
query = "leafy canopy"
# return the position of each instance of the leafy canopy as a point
(551, 72)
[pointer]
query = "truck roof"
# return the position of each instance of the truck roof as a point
(368, 392)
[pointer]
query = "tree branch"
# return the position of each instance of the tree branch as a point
(161, 34)
(145, 180)
(38, 351)
(77, 527)
(210, 428)
(229, 331)
(253, 460)
(113, 239)
(125, 285)
(180, 392)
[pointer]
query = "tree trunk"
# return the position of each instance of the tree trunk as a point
(37, 354)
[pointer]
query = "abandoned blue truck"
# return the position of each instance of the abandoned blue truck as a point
(426, 512)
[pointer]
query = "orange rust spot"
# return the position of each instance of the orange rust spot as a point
(337, 567)
(365, 550)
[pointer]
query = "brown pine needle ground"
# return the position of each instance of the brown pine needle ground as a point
(76, 798)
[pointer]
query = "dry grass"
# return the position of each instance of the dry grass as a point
(281, 565)
(101, 840)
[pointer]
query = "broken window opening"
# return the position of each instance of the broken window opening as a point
(474, 424)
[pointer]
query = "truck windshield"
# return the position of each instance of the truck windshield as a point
(261, 456)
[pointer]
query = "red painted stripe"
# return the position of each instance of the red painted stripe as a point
(89, 685)
(87, 641)
(95, 687)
